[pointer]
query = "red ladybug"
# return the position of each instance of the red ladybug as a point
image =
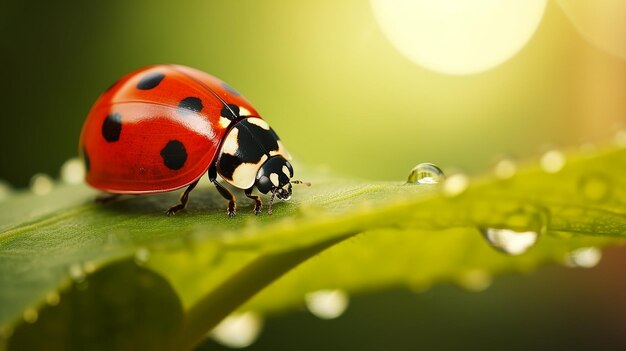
(162, 127)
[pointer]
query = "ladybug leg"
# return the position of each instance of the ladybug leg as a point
(104, 199)
(231, 210)
(183, 200)
(258, 205)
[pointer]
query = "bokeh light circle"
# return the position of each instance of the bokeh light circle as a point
(602, 22)
(459, 36)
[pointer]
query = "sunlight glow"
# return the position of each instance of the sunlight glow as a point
(459, 36)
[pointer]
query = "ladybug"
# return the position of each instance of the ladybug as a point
(162, 127)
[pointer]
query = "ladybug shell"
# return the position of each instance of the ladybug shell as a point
(158, 129)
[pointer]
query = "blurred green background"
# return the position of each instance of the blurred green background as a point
(327, 78)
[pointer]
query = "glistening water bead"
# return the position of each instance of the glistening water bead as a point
(327, 304)
(509, 241)
(426, 173)
(238, 330)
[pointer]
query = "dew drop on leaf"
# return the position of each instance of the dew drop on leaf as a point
(552, 161)
(73, 171)
(455, 185)
(505, 169)
(89, 267)
(475, 280)
(53, 298)
(426, 173)
(30, 315)
(238, 330)
(594, 187)
(327, 304)
(585, 257)
(77, 273)
(41, 184)
(509, 241)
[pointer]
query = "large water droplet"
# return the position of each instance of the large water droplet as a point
(455, 185)
(426, 173)
(585, 257)
(505, 168)
(475, 280)
(552, 161)
(142, 255)
(238, 330)
(327, 304)
(73, 171)
(594, 187)
(509, 241)
(41, 184)
(30, 315)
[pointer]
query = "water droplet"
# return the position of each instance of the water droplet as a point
(552, 161)
(77, 273)
(505, 169)
(238, 330)
(53, 298)
(594, 187)
(73, 171)
(30, 315)
(89, 267)
(327, 304)
(509, 241)
(585, 257)
(426, 173)
(475, 280)
(455, 185)
(142, 255)
(41, 184)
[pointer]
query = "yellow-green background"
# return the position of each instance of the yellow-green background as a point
(326, 78)
(322, 73)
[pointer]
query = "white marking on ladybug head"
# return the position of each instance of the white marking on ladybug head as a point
(274, 179)
(259, 122)
(224, 122)
(244, 175)
(286, 171)
(244, 111)
(231, 145)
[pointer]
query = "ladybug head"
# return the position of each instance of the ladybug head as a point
(275, 177)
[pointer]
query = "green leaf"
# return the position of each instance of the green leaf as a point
(77, 275)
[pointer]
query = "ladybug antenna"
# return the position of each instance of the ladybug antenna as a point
(269, 210)
(300, 182)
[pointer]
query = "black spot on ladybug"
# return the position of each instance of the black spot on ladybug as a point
(230, 89)
(112, 127)
(191, 103)
(86, 159)
(150, 81)
(231, 111)
(174, 155)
